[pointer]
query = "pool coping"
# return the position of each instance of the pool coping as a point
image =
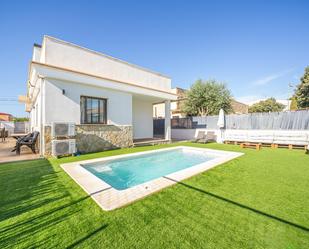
(109, 198)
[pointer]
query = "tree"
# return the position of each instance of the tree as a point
(268, 105)
(207, 98)
(302, 91)
(24, 119)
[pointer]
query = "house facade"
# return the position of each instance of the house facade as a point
(5, 116)
(109, 100)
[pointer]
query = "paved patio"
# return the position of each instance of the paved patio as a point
(7, 156)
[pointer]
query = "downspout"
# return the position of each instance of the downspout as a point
(42, 139)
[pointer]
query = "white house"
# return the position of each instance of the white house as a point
(109, 100)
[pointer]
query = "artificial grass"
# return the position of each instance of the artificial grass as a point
(260, 200)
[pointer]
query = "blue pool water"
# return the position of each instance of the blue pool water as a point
(130, 171)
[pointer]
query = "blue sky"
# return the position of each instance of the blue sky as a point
(256, 47)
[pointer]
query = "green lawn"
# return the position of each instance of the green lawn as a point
(260, 200)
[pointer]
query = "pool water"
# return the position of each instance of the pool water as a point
(134, 170)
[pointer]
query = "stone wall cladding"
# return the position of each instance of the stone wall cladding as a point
(95, 138)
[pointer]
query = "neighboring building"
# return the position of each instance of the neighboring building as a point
(239, 108)
(108, 99)
(5, 116)
(159, 110)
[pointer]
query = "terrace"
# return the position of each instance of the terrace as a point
(6, 154)
(257, 200)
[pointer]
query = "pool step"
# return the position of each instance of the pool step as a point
(151, 142)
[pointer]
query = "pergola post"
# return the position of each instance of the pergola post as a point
(167, 123)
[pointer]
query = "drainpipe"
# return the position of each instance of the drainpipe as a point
(42, 133)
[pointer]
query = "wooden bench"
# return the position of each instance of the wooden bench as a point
(251, 146)
(289, 146)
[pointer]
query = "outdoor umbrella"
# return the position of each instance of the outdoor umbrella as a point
(221, 124)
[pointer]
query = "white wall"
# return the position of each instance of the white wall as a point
(190, 134)
(66, 108)
(142, 119)
(67, 55)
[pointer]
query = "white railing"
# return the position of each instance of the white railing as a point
(15, 127)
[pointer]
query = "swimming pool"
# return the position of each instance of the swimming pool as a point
(116, 181)
(131, 171)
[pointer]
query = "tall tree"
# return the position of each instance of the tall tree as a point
(302, 91)
(207, 98)
(293, 104)
(268, 105)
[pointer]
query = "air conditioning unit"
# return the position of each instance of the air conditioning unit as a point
(63, 147)
(63, 129)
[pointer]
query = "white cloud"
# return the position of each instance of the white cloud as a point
(267, 79)
(252, 99)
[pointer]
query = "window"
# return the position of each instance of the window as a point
(93, 110)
